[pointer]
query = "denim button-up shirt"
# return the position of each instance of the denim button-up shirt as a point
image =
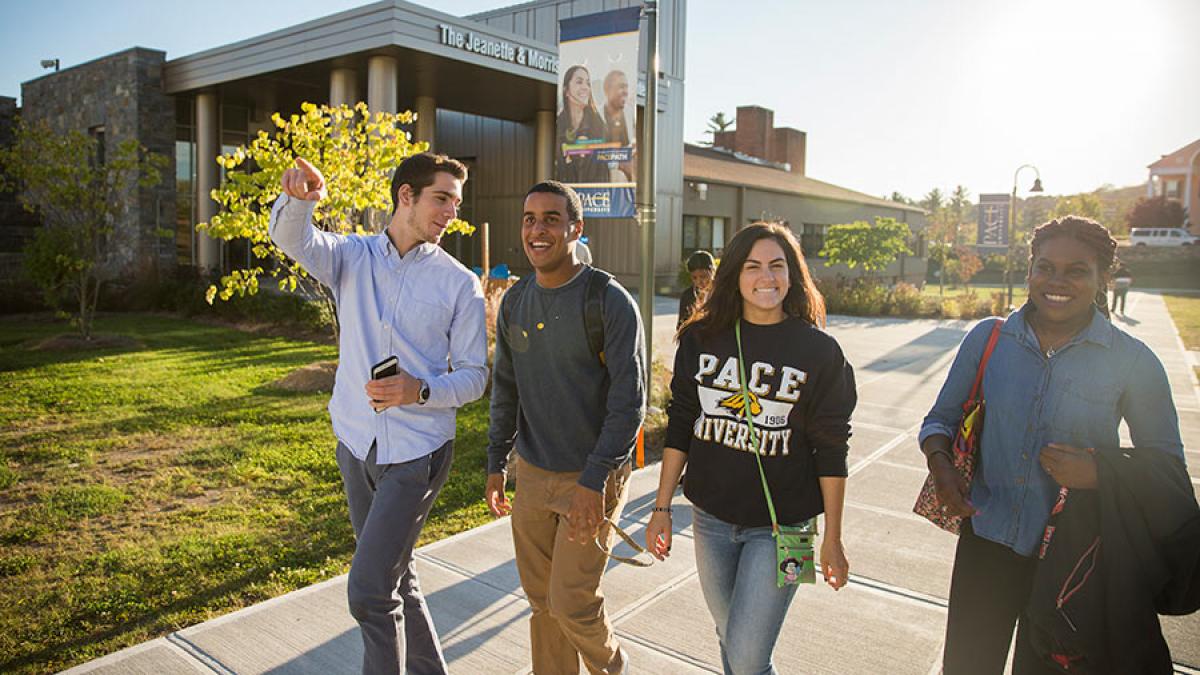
(423, 307)
(1076, 395)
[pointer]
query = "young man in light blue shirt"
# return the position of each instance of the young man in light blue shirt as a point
(398, 294)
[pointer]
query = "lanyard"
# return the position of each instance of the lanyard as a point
(755, 439)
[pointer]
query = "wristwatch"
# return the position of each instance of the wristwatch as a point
(423, 394)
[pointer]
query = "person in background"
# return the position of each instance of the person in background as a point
(1060, 380)
(1121, 281)
(701, 268)
(582, 251)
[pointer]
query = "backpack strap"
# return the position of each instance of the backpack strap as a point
(593, 310)
(510, 297)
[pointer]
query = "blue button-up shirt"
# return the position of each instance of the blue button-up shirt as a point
(1076, 395)
(423, 307)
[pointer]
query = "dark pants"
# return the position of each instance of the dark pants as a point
(388, 507)
(1119, 296)
(988, 593)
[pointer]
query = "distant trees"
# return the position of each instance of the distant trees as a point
(1156, 212)
(716, 124)
(1084, 204)
(860, 244)
(81, 190)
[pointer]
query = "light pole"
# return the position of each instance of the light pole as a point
(50, 63)
(1012, 223)
(647, 216)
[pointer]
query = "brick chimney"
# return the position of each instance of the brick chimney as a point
(757, 136)
(789, 147)
(755, 127)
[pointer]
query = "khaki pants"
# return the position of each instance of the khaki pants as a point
(561, 578)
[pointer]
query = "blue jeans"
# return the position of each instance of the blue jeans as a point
(736, 566)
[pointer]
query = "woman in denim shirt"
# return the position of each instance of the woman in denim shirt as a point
(1061, 379)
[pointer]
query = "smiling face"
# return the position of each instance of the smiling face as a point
(1064, 279)
(579, 87)
(616, 90)
(549, 235)
(763, 282)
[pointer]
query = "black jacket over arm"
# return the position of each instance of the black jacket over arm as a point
(1118, 556)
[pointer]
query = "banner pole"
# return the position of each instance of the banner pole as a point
(647, 217)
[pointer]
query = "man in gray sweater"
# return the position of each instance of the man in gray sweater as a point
(574, 416)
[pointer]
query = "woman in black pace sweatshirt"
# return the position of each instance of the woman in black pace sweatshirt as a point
(801, 395)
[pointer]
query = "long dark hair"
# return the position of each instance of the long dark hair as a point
(1089, 233)
(724, 304)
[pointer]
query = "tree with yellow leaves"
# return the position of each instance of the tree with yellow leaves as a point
(356, 150)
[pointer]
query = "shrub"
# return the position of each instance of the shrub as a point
(971, 306)
(857, 297)
(999, 304)
(493, 292)
(905, 300)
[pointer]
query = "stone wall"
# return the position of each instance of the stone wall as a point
(16, 224)
(1162, 266)
(123, 94)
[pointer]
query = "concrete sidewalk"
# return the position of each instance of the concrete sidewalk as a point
(890, 619)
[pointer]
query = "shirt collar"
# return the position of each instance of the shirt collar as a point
(1099, 331)
(384, 248)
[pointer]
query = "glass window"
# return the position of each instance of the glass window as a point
(812, 239)
(703, 233)
(718, 236)
(185, 175)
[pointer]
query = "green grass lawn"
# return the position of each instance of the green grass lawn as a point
(982, 290)
(1185, 312)
(150, 488)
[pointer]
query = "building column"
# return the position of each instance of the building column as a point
(426, 127)
(1187, 192)
(343, 87)
(208, 176)
(382, 86)
(544, 145)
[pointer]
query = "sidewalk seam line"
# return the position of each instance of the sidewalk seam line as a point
(194, 650)
(668, 652)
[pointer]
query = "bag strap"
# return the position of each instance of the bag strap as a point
(593, 310)
(754, 437)
(983, 360)
(628, 560)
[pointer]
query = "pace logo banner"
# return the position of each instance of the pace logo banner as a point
(596, 147)
(993, 220)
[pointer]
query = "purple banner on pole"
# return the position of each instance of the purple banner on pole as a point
(993, 220)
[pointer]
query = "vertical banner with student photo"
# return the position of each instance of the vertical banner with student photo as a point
(595, 148)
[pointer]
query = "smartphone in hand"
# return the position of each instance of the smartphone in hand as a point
(385, 368)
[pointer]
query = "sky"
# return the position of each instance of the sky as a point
(894, 95)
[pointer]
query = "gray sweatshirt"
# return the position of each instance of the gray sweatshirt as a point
(550, 393)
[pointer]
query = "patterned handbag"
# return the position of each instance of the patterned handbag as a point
(965, 449)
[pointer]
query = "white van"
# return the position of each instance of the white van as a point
(1161, 236)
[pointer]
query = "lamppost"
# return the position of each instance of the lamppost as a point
(1012, 223)
(50, 63)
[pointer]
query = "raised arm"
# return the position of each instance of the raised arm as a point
(292, 229)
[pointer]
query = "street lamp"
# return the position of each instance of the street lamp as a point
(1012, 223)
(50, 63)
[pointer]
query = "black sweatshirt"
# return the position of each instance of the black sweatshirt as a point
(802, 395)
